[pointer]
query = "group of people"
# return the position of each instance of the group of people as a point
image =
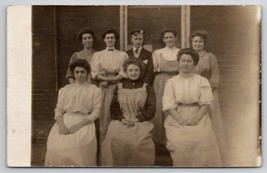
(142, 99)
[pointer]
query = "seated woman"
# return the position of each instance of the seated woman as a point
(129, 139)
(72, 140)
(187, 97)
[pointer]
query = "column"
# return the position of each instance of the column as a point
(185, 26)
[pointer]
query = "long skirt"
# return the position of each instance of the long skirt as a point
(192, 146)
(105, 117)
(218, 126)
(159, 135)
(78, 149)
(128, 146)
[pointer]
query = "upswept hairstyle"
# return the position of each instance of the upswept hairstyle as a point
(165, 30)
(200, 33)
(110, 31)
(86, 31)
(80, 63)
(188, 51)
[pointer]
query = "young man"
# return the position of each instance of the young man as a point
(137, 51)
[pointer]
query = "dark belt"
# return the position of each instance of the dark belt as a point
(171, 72)
(192, 104)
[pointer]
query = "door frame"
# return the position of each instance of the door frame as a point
(185, 26)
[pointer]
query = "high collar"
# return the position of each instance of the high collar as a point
(81, 84)
(110, 48)
(168, 48)
(186, 75)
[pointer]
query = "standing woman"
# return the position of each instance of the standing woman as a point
(186, 99)
(208, 67)
(107, 71)
(87, 38)
(72, 140)
(129, 138)
(165, 66)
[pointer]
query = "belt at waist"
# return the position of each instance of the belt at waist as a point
(111, 75)
(164, 72)
(78, 113)
(192, 104)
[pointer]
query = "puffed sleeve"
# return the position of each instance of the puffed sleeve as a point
(149, 77)
(60, 103)
(215, 73)
(95, 65)
(97, 103)
(155, 58)
(69, 73)
(124, 57)
(206, 96)
(115, 111)
(168, 99)
(150, 106)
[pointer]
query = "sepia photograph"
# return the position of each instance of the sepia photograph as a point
(142, 86)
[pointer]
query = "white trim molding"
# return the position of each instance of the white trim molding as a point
(185, 26)
(123, 27)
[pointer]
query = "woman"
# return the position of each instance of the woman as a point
(72, 140)
(208, 67)
(107, 71)
(165, 67)
(87, 38)
(186, 100)
(129, 139)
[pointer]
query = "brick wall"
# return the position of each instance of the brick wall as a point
(153, 19)
(234, 37)
(44, 74)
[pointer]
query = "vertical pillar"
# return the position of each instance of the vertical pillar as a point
(123, 27)
(185, 26)
(56, 47)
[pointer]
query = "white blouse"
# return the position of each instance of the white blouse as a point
(109, 62)
(186, 89)
(165, 59)
(78, 98)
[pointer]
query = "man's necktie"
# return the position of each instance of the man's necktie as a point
(136, 50)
